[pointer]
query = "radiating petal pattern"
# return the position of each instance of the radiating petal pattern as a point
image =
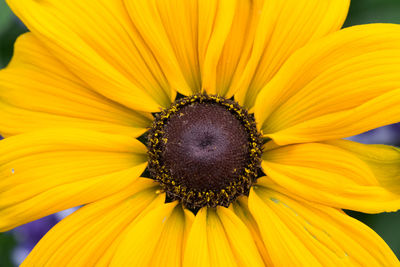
(82, 86)
(156, 239)
(198, 39)
(37, 91)
(97, 41)
(169, 30)
(82, 238)
(305, 234)
(241, 210)
(383, 160)
(226, 46)
(51, 170)
(328, 175)
(341, 85)
(284, 27)
(217, 46)
(219, 238)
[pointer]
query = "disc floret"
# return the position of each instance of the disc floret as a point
(204, 150)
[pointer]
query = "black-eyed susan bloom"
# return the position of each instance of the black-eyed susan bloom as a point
(240, 108)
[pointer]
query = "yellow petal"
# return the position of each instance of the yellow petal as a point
(219, 238)
(341, 85)
(200, 45)
(383, 160)
(307, 234)
(109, 255)
(282, 28)
(82, 238)
(329, 175)
(97, 42)
(222, 19)
(240, 239)
(224, 51)
(196, 252)
(219, 248)
(379, 111)
(241, 209)
(37, 92)
(172, 243)
(169, 28)
(154, 238)
(206, 44)
(54, 169)
(187, 38)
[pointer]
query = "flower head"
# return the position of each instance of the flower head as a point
(199, 133)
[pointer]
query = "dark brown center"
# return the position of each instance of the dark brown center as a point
(204, 150)
(206, 146)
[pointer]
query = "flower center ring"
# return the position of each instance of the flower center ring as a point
(204, 150)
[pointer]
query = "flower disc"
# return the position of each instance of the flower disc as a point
(204, 150)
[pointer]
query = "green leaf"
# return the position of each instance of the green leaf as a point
(373, 11)
(6, 16)
(7, 244)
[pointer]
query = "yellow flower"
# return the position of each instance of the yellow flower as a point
(83, 85)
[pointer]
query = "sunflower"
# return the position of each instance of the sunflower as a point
(199, 133)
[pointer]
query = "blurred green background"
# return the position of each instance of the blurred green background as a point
(361, 12)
